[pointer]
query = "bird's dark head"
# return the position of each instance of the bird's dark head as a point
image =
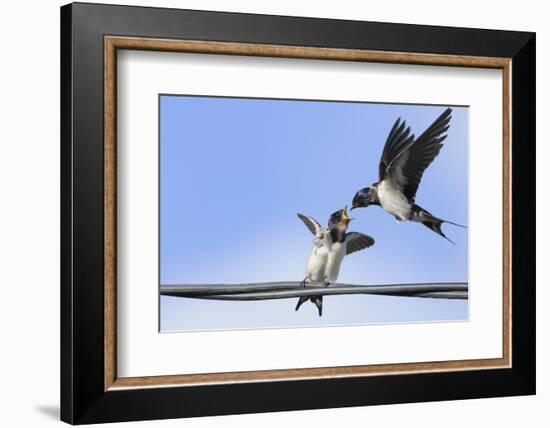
(340, 218)
(365, 197)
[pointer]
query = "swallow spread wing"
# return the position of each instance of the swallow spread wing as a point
(312, 224)
(356, 241)
(404, 158)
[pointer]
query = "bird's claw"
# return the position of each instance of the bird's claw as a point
(326, 283)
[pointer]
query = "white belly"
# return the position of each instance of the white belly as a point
(316, 264)
(335, 257)
(393, 201)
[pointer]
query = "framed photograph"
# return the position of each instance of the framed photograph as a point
(265, 213)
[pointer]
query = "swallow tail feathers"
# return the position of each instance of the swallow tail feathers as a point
(301, 301)
(317, 300)
(432, 222)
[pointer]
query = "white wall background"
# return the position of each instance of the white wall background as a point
(29, 213)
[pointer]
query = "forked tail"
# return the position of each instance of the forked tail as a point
(316, 300)
(420, 215)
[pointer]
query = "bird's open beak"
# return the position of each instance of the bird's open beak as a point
(345, 217)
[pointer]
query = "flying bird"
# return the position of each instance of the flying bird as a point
(330, 245)
(404, 160)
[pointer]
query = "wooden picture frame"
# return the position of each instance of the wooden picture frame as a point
(91, 390)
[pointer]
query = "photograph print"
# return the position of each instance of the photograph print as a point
(282, 213)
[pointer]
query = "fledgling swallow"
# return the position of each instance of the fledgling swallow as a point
(330, 245)
(403, 161)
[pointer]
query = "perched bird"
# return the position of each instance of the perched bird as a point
(330, 245)
(404, 160)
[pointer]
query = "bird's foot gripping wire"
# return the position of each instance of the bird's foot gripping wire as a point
(326, 282)
(304, 281)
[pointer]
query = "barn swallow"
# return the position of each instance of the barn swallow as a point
(330, 245)
(403, 161)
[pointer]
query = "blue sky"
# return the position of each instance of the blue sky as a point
(234, 172)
